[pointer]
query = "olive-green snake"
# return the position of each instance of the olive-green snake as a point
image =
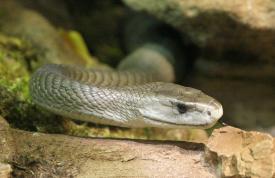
(122, 98)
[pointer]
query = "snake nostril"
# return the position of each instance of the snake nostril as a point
(209, 113)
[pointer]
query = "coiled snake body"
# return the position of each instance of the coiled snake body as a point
(127, 99)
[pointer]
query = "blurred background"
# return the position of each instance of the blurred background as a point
(224, 48)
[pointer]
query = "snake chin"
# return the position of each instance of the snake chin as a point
(187, 122)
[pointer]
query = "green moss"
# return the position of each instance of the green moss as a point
(14, 75)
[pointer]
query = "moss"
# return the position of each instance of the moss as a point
(14, 75)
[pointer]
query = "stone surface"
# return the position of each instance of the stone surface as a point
(256, 13)
(5, 170)
(204, 19)
(6, 148)
(241, 153)
(44, 38)
(229, 152)
(65, 156)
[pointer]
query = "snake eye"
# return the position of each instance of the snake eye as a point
(181, 108)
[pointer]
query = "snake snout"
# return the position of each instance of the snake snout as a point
(215, 109)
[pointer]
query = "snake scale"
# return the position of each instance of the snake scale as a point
(121, 98)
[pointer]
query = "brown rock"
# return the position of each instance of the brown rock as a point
(44, 38)
(221, 27)
(256, 13)
(238, 153)
(5, 170)
(6, 148)
(243, 153)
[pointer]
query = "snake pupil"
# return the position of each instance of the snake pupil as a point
(181, 108)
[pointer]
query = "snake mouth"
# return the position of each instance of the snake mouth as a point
(180, 125)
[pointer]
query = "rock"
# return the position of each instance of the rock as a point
(229, 152)
(241, 153)
(254, 13)
(6, 148)
(44, 38)
(221, 27)
(5, 170)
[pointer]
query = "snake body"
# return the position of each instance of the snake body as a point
(127, 99)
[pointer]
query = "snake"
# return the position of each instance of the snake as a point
(125, 98)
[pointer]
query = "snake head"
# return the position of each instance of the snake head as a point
(176, 106)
